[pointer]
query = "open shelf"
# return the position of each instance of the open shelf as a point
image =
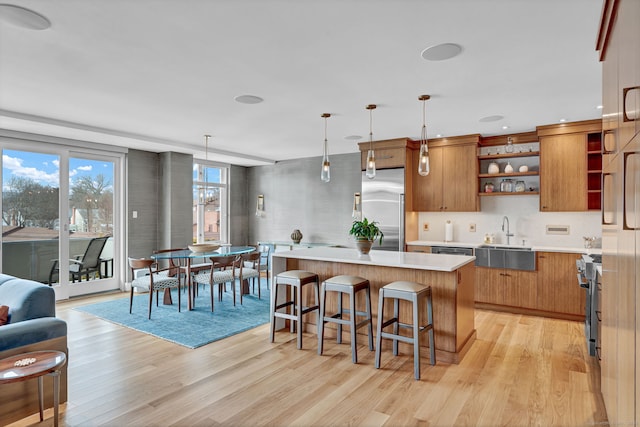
(504, 175)
(508, 155)
(512, 193)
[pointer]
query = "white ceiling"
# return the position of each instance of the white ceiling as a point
(159, 74)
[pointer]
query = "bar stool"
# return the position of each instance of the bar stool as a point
(296, 279)
(349, 285)
(412, 292)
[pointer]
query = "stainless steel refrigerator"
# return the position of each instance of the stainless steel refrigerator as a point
(383, 202)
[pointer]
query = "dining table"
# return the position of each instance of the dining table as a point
(188, 256)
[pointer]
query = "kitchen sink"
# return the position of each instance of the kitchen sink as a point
(505, 256)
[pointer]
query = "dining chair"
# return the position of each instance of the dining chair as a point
(250, 270)
(155, 280)
(265, 258)
(225, 270)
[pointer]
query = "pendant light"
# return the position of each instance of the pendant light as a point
(206, 146)
(423, 162)
(325, 173)
(371, 157)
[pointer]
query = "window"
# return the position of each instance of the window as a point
(210, 202)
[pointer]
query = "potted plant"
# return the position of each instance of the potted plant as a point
(366, 233)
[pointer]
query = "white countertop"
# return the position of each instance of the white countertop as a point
(416, 260)
(539, 248)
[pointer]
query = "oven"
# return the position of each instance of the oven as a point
(588, 280)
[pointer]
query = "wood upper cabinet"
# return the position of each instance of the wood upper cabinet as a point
(389, 153)
(619, 47)
(452, 181)
(558, 289)
(563, 165)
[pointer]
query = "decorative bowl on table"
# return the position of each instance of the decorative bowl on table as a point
(203, 247)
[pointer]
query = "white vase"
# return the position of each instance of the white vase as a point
(508, 168)
(493, 168)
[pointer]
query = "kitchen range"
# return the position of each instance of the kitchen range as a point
(588, 278)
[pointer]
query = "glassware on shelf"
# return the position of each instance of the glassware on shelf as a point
(506, 186)
(509, 147)
(519, 187)
(488, 187)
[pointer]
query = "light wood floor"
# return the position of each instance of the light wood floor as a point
(521, 371)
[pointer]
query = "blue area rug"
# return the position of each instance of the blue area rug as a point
(193, 328)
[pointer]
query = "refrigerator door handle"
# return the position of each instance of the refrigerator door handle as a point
(401, 231)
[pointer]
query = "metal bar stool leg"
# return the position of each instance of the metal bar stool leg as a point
(272, 315)
(396, 324)
(416, 337)
(323, 302)
(352, 319)
(369, 317)
(299, 315)
(379, 327)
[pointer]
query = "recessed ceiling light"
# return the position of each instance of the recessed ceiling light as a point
(599, 107)
(439, 135)
(505, 127)
(563, 120)
(491, 118)
(440, 52)
(248, 99)
(353, 137)
(23, 17)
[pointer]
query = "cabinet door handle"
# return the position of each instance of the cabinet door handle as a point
(608, 141)
(633, 112)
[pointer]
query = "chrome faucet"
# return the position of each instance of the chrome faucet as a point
(508, 234)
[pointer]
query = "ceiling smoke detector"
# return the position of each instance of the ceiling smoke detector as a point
(441, 52)
(491, 118)
(248, 99)
(23, 17)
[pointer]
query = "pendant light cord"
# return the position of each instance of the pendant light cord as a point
(371, 129)
(423, 134)
(325, 137)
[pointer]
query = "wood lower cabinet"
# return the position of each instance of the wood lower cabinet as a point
(558, 289)
(551, 291)
(513, 288)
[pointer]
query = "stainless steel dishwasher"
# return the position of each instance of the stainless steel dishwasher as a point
(451, 250)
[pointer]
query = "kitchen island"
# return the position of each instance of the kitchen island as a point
(451, 278)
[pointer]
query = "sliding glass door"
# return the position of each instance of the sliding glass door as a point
(60, 222)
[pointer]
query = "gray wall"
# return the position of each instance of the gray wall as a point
(142, 196)
(176, 200)
(295, 197)
(239, 208)
(159, 188)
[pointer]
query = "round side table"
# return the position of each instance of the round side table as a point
(36, 364)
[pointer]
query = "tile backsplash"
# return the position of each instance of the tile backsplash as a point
(525, 220)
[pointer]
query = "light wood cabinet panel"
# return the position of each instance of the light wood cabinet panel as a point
(558, 289)
(459, 177)
(514, 288)
(418, 248)
(428, 189)
(520, 288)
(489, 286)
(563, 173)
(451, 183)
(386, 158)
(619, 46)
